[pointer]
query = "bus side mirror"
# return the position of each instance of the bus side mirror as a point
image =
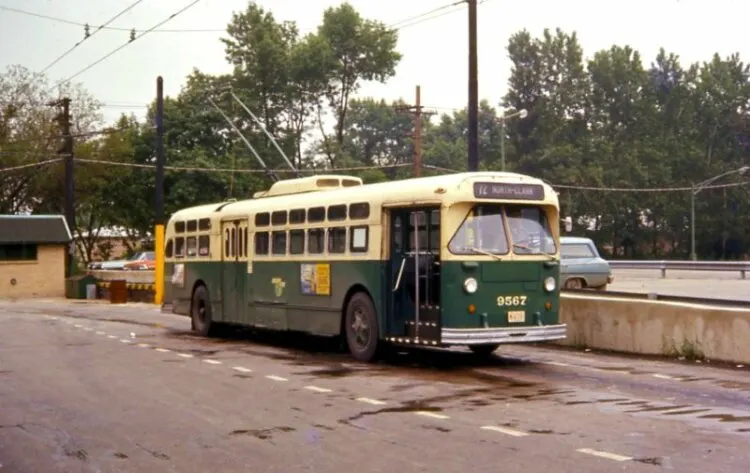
(568, 224)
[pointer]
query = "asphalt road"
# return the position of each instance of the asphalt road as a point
(89, 387)
(709, 284)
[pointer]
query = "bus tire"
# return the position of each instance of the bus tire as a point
(484, 350)
(200, 311)
(361, 327)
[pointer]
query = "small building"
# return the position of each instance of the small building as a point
(32, 255)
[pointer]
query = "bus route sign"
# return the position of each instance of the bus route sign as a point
(497, 190)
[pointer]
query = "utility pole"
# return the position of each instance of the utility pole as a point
(473, 89)
(159, 197)
(417, 112)
(66, 150)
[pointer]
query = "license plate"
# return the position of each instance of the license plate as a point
(515, 316)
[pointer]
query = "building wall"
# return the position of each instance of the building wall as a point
(44, 277)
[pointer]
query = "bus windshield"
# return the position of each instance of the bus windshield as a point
(483, 231)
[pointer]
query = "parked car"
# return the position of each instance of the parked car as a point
(115, 265)
(146, 261)
(581, 266)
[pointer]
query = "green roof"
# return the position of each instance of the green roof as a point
(44, 229)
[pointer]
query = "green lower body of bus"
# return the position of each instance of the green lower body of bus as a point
(367, 302)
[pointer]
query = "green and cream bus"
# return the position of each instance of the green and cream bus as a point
(462, 259)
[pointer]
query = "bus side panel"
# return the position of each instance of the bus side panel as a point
(313, 292)
(502, 287)
(209, 273)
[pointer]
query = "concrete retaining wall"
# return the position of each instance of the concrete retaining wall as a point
(653, 327)
(647, 327)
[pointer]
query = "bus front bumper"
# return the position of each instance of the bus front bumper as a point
(484, 336)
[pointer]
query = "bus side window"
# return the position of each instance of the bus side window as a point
(240, 243)
(315, 239)
(261, 243)
(226, 242)
(359, 211)
(337, 212)
(296, 242)
(170, 248)
(358, 242)
(179, 250)
(192, 246)
(316, 214)
(337, 240)
(204, 245)
(278, 243)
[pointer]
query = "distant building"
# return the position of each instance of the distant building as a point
(32, 255)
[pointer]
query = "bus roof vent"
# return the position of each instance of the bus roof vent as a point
(309, 184)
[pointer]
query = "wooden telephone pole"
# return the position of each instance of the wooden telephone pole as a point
(417, 111)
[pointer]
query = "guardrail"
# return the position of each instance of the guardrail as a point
(653, 296)
(742, 266)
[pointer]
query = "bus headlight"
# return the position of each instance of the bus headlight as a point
(549, 284)
(470, 285)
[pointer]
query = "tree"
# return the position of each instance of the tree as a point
(356, 50)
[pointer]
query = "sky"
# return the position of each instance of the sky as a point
(435, 51)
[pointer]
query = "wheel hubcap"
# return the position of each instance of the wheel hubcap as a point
(201, 312)
(360, 328)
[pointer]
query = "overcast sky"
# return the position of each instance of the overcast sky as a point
(435, 51)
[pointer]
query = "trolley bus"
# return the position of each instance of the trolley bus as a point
(463, 259)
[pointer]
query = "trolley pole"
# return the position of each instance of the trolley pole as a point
(473, 89)
(159, 197)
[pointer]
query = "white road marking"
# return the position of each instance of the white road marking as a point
(506, 431)
(185, 355)
(557, 363)
(78, 326)
(431, 414)
(111, 336)
(242, 369)
(212, 362)
(276, 378)
(124, 340)
(88, 329)
(163, 350)
(101, 333)
(663, 376)
(607, 455)
(317, 389)
(144, 345)
(370, 401)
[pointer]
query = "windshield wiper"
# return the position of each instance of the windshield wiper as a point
(482, 252)
(532, 252)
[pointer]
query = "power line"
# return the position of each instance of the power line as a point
(427, 13)
(245, 171)
(87, 36)
(615, 189)
(406, 22)
(170, 17)
(30, 165)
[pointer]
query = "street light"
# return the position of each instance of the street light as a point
(696, 188)
(520, 114)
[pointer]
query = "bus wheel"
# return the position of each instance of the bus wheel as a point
(361, 327)
(201, 311)
(483, 350)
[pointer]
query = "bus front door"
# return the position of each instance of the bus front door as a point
(414, 276)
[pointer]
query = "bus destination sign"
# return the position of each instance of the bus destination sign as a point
(497, 190)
